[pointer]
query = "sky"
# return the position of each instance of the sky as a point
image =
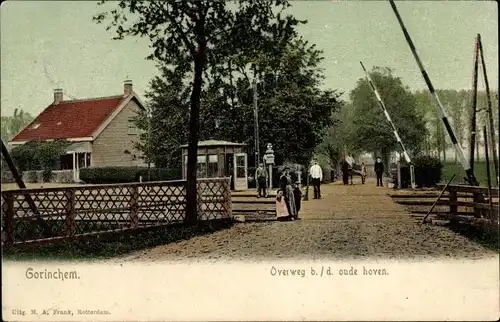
(55, 44)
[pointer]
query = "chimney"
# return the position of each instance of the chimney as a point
(127, 87)
(58, 96)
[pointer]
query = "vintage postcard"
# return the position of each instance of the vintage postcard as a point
(262, 160)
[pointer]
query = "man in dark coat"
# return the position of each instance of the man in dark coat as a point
(379, 171)
(261, 177)
(345, 172)
(297, 194)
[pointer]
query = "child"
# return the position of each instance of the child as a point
(363, 172)
(297, 194)
(281, 209)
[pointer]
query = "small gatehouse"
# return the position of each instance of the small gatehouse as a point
(218, 159)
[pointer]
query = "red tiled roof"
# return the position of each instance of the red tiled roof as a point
(70, 119)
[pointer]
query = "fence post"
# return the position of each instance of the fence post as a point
(199, 199)
(9, 219)
(229, 202)
(478, 198)
(70, 212)
(398, 168)
(134, 207)
(453, 200)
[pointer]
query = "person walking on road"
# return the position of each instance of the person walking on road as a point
(350, 161)
(345, 172)
(379, 171)
(363, 173)
(316, 175)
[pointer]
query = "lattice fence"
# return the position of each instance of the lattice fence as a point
(57, 214)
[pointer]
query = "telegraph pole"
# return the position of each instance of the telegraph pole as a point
(444, 117)
(149, 144)
(490, 110)
(256, 122)
(474, 104)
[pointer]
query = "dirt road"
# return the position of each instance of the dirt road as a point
(349, 222)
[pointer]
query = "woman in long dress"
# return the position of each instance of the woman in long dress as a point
(287, 189)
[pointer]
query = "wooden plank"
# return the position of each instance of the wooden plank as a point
(473, 189)
(422, 202)
(254, 210)
(248, 195)
(266, 202)
(424, 212)
(416, 196)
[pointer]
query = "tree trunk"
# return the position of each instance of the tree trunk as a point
(194, 124)
(385, 160)
(233, 105)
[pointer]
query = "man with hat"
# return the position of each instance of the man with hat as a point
(316, 175)
(379, 171)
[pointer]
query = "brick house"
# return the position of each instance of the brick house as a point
(100, 129)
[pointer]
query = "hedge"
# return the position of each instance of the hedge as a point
(428, 172)
(106, 175)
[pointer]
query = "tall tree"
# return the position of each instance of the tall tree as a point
(294, 112)
(457, 104)
(340, 138)
(369, 123)
(11, 125)
(191, 33)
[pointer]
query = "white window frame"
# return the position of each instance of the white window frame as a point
(131, 127)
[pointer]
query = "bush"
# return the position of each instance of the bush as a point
(127, 174)
(428, 171)
(108, 175)
(47, 175)
(159, 174)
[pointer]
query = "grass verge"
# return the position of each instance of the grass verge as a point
(450, 168)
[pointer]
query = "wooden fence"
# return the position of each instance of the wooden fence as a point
(49, 215)
(473, 201)
(458, 202)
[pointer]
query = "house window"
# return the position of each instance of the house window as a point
(213, 166)
(201, 166)
(132, 129)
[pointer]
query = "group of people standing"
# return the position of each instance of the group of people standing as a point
(348, 169)
(288, 196)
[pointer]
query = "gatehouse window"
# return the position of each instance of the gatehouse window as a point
(213, 166)
(201, 166)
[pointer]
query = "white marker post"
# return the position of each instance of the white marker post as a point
(269, 159)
